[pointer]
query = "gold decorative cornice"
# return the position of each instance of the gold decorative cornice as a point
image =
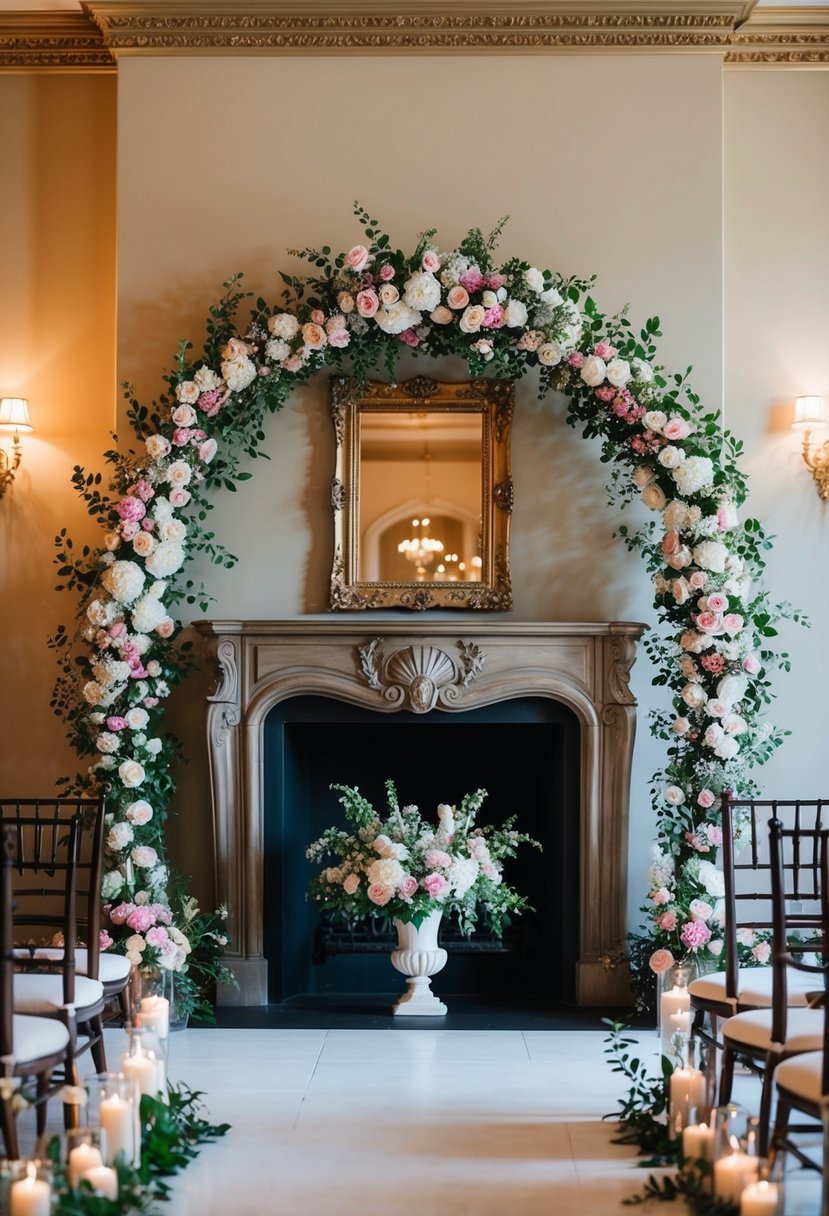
(56, 41)
(744, 33)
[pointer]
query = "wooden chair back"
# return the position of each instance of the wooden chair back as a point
(747, 873)
(7, 853)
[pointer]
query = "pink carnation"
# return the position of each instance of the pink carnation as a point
(713, 663)
(472, 280)
(603, 350)
(695, 933)
(436, 885)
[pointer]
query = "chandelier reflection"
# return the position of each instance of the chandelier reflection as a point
(421, 548)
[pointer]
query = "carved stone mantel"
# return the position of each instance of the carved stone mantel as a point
(434, 667)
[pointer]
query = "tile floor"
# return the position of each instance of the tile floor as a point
(409, 1122)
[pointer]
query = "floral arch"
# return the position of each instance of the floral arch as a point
(713, 648)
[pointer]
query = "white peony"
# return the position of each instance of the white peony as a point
(166, 559)
(618, 372)
(515, 314)
(124, 581)
(732, 688)
(397, 317)
(693, 474)
(387, 871)
(594, 371)
(421, 291)
(711, 555)
(238, 373)
(551, 297)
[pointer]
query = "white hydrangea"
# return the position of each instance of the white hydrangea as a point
(147, 613)
(462, 875)
(124, 581)
(111, 884)
(283, 325)
(693, 474)
(277, 349)
(711, 879)
(238, 373)
(661, 872)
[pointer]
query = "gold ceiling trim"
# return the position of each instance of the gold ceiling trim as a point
(56, 41)
(93, 40)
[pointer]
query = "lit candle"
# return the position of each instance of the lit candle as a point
(82, 1158)
(103, 1180)
(680, 1023)
(698, 1142)
(760, 1199)
(31, 1196)
(155, 1015)
(117, 1122)
(733, 1173)
(675, 1000)
(687, 1091)
(142, 1068)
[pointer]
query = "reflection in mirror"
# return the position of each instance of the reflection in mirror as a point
(420, 499)
(422, 494)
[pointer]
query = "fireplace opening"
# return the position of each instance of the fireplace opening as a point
(524, 752)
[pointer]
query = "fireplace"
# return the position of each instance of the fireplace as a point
(539, 714)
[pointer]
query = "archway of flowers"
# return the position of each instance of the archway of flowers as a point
(713, 648)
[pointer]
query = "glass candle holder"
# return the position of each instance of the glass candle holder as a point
(114, 1109)
(85, 1149)
(29, 1188)
(737, 1164)
(142, 1064)
(674, 1006)
(687, 1089)
(766, 1196)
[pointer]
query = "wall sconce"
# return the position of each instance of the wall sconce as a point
(14, 416)
(810, 413)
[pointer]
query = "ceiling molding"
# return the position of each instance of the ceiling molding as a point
(52, 42)
(747, 35)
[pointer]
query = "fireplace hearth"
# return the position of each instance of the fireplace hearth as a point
(541, 715)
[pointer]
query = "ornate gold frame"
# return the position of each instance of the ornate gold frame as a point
(494, 401)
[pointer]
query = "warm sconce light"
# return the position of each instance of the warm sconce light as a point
(809, 413)
(14, 416)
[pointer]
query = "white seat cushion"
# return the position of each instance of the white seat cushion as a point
(36, 1038)
(43, 994)
(112, 968)
(754, 987)
(802, 1076)
(804, 1029)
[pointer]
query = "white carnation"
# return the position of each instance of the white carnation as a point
(124, 581)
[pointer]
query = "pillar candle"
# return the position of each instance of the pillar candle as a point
(155, 1015)
(679, 1022)
(117, 1121)
(82, 1158)
(141, 1068)
(676, 1000)
(687, 1092)
(31, 1196)
(698, 1142)
(760, 1199)
(103, 1180)
(733, 1173)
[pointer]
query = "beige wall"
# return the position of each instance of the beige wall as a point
(57, 320)
(606, 164)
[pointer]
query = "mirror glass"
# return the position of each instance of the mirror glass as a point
(422, 494)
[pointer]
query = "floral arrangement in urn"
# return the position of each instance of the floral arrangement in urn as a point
(407, 867)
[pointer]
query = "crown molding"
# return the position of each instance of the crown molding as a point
(51, 42)
(93, 40)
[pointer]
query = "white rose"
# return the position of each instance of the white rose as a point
(713, 735)
(388, 294)
(732, 688)
(238, 373)
(693, 696)
(472, 318)
(670, 457)
(727, 748)
(187, 393)
(515, 314)
(674, 795)
(711, 555)
(173, 529)
(119, 836)
(143, 544)
(534, 280)
(137, 717)
(139, 812)
(153, 746)
(285, 325)
(594, 371)
(167, 558)
(549, 354)
(641, 371)
(345, 302)
(653, 496)
(715, 947)
(693, 474)
(618, 372)
(734, 724)
(178, 473)
(124, 581)
(131, 773)
(654, 420)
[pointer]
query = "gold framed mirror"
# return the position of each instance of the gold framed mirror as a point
(422, 494)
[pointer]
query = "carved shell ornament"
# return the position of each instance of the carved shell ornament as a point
(417, 677)
(504, 319)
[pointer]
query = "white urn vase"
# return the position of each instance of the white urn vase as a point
(418, 956)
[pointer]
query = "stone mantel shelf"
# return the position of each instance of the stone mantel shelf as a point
(428, 667)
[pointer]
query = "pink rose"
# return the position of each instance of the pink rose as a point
(367, 302)
(184, 415)
(166, 627)
(698, 579)
(676, 428)
(751, 664)
(407, 887)
(714, 834)
(733, 622)
(662, 896)
(441, 315)
(717, 602)
(436, 885)
(351, 883)
(709, 622)
(379, 894)
(431, 261)
(179, 497)
(660, 961)
(670, 542)
(313, 335)
(292, 364)
(695, 933)
(457, 297)
(410, 337)
(705, 799)
(357, 258)
(386, 273)
(339, 338)
(318, 316)
(667, 921)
